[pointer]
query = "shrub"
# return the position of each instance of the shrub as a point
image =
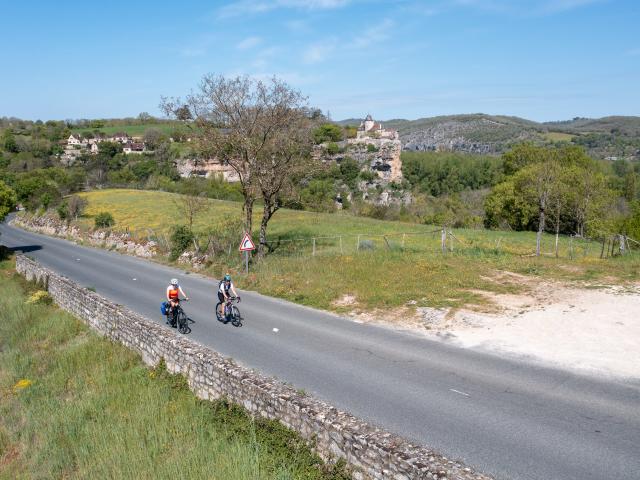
(181, 237)
(368, 175)
(328, 132)
(333, 148)
(372, 148)
(63, 210)
(104, 220)
(349, 170)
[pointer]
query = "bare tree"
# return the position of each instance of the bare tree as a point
(287, 159)
(191, 205)
(256, 127)
(76, 206)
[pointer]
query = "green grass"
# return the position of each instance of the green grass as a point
(558, 136)
(407, 266)
(75, 405)
(132, 130)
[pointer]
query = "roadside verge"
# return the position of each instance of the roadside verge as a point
(370, 451)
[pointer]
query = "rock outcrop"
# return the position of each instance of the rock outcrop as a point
(376, 155)
(193, 167)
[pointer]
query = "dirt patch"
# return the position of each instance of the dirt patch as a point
(345, 301)
(592, 328)
(10, 455)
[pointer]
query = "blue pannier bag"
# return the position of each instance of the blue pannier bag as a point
(163, 308)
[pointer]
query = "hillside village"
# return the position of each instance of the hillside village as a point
(376, 150)
(76, 145)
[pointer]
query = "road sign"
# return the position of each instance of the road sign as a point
(246, 245)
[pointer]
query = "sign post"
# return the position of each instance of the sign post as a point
(246, 245)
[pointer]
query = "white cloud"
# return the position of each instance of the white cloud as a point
(318, 52)
(375, 34)
(530, 7)
(249, 42)
(192, 51)
(248, 7)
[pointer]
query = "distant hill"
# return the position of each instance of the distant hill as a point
(608, 137)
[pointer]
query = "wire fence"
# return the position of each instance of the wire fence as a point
(442, 240)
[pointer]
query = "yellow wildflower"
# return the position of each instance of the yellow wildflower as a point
(21, 385)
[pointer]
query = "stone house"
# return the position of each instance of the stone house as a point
(133, 147)
(121, 137)
(369, 128)
(75, 140)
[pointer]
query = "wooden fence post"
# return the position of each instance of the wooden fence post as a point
(604, 239)
(314, 247)
(443, 240)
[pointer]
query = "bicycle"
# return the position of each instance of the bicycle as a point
(231, 312)
(179, 319)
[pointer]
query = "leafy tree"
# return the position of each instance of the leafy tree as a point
(349, 170)
(183, 113)
(319, 196)
(560, 186)
(8, 200)
(9, 142)
(109, 149)
(327, 132)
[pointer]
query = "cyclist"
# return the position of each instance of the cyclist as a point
(173, 298)
(224, 287)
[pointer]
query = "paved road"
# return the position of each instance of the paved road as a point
(504, 417)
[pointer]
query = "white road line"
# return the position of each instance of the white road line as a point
(461, 393)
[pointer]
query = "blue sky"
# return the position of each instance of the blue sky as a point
(539, 59)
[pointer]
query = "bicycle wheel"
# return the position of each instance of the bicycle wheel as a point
(218, 316)
(236, 318)
(183, 327)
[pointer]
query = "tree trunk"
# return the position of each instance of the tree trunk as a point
(248, 211)
(557, 232)
(540, 230)
(266, 215)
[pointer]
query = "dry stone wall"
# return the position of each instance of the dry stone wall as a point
(121, 242)
(371, 452)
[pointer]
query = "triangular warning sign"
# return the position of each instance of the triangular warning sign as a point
(247, 244)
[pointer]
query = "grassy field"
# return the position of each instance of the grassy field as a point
(558, 136)
(382, 264)
(132, 130)
(75, 405)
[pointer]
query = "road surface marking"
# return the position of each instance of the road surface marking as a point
(461, 393)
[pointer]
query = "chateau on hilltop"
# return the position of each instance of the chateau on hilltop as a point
(369, 128)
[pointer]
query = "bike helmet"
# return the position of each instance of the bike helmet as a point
(174, 281)
(227, 278)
